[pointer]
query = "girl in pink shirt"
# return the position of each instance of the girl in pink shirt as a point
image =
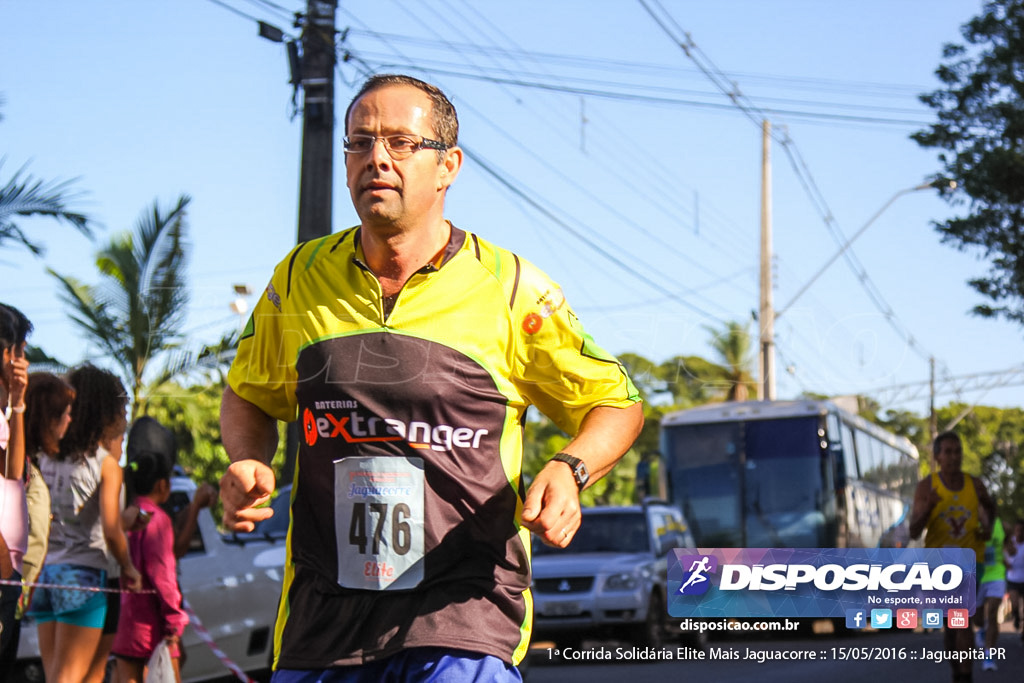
(148, 618)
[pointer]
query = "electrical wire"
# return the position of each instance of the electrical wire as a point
(504, 182)
(756, 115)
(604, 253)
(235, 10)
(607, 65)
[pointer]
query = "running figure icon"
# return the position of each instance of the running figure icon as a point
(697, 571)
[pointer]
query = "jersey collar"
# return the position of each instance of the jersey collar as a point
(456, 239)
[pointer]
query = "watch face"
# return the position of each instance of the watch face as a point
(581, 474)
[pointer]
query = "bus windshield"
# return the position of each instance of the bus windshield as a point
(752, 484)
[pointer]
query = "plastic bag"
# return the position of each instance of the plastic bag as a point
(160, 668)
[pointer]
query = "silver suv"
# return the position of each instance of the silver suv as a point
(611, 580)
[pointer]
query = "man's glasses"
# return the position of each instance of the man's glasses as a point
(398, 146)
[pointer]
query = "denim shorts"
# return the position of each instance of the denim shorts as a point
(68, 605)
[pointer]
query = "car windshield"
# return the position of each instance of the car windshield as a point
(618, 532)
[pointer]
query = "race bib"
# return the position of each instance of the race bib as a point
(378, 521)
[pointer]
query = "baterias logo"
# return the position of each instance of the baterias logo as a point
(696, 581)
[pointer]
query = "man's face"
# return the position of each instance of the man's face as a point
(950, 456)
(388, 193)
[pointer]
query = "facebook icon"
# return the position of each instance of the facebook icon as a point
(856, 618)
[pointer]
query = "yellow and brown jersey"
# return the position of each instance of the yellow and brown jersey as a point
(405, 510)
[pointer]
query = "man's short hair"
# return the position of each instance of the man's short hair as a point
(944, 436)
(443, 118)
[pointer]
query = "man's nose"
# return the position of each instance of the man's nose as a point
(378, 155)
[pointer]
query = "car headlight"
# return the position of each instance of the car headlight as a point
(621, 582)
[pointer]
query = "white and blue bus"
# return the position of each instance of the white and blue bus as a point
(787, 474)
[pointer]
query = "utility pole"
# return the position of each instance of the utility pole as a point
(317, 171)
(766, 314)
(933, 419)
(316, 177)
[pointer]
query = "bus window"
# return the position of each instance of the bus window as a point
(850, 453)
(867, 457)
(836, 449)
(703, 462)
(784, 484)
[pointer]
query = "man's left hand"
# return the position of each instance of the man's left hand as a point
(552, 506)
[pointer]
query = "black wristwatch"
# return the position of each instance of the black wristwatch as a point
(579, 468)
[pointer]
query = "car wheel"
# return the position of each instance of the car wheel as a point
(651, 633)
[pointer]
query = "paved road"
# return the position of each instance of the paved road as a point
(898, 656)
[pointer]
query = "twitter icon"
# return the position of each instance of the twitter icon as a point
(881, 618)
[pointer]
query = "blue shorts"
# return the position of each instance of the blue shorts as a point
(416, 665)
(67, 605)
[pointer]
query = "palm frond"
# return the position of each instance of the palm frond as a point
(24, 195)
(41, 361)
(215, 357)
(91, 317)
(161, 257)
(135, 312)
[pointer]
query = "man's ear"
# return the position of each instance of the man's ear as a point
(449, 168)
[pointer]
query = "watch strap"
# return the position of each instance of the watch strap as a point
(580, 473)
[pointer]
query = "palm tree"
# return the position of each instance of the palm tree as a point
(734, 348)
(23, 195)
(136, 312)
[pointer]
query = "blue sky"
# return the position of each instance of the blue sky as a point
(143, 101)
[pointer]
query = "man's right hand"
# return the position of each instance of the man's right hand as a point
(246, 485)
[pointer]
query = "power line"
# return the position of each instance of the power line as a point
(523, 195)
(981, 381)
(658, 99)
(235, 10)
(605, 65)
(492, 171)
(662, 243)
(806, 179)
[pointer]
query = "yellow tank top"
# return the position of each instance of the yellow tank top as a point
(953, 522)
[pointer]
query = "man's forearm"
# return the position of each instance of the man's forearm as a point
(605, 436)
(246, 431)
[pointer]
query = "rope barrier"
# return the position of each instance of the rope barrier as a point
(205, 636)
(196, 622)
(87, 589)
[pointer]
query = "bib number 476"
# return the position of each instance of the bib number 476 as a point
(370, 522)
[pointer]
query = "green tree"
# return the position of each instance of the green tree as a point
(980, 132)
(649, 380)
(993, 439)
(134, 316)
(192, 412)
(542, 439)
(692, 380)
